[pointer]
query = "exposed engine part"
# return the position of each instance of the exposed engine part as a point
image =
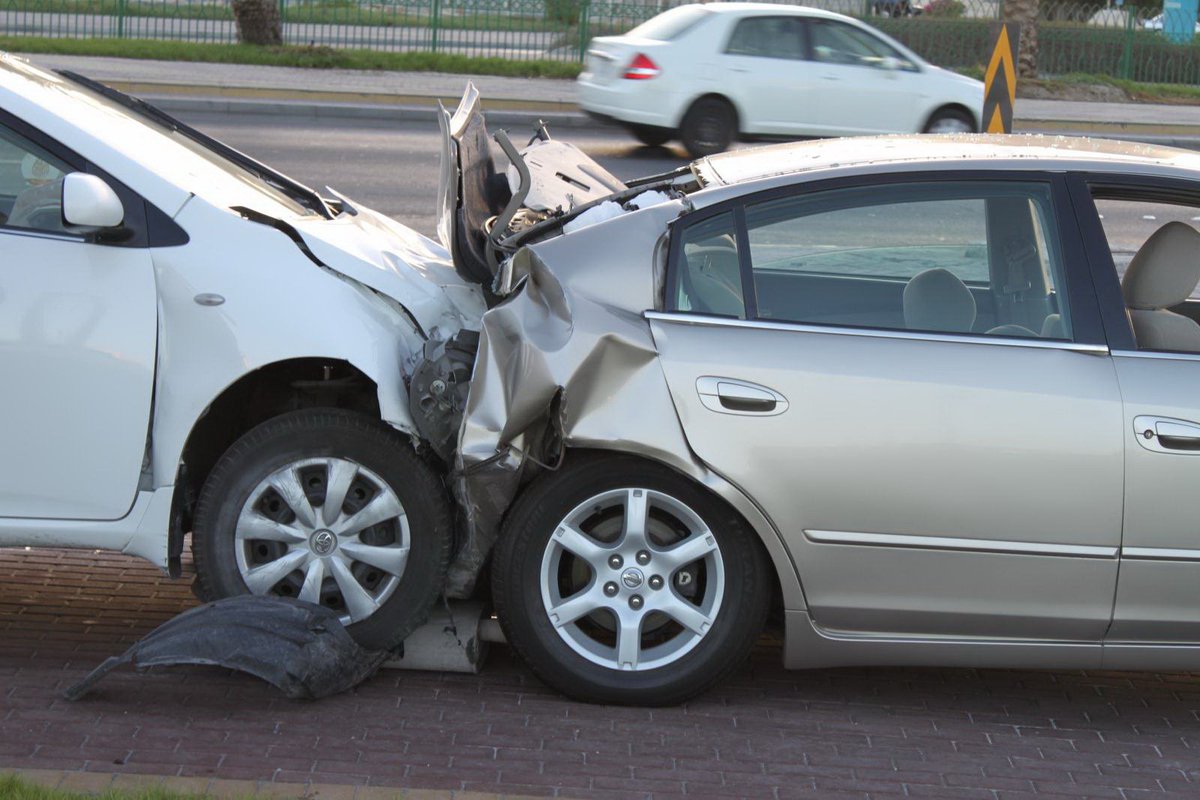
(437, 392)
(451, 641)
(300, 648)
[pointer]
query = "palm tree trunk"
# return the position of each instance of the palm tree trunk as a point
(258, 21)
(1025, 13)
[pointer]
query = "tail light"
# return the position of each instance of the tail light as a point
(641, 68)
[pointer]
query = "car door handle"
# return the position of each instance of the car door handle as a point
(738, 69)
(731, 396)
(1163, 434)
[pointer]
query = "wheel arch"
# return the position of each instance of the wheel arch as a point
(951, 107)
(738, 116)
(257, 396)
(786, 589)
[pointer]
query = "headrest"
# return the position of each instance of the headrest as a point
(936, 300)
(1165, 270)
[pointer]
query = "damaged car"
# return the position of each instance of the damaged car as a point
(198, 344)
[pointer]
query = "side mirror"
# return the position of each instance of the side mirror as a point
(90, 204)
(889, 63)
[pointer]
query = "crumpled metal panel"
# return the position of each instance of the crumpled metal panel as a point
(300, 648)
(566, 359)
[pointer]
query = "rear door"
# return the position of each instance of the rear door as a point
(764, 69)
(1158, 597)
(935, 465)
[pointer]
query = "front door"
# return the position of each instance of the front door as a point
(78, 322)
(914, 398)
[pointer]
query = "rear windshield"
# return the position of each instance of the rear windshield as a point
(669, 24)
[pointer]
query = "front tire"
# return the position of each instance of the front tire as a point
(708, 127)
(330, 507)
(620, 581)
(950, 120)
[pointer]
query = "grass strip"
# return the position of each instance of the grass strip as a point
(291, 56)
(13, 787)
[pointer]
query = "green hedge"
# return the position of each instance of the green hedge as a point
(1063, 48)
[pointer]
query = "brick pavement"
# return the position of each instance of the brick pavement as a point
(846, 733)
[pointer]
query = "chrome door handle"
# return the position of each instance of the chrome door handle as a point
(1166, 435)
(730, 396)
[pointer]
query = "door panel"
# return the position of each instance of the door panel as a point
(1158, 594)
(762, 68)
(924, 485)
(78, 324)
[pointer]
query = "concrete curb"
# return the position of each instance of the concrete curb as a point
(94, 783)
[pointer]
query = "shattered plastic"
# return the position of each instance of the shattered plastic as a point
(300, 648)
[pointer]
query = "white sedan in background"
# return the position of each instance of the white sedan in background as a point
(709, 74)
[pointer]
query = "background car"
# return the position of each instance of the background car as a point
(709, 74)
(1157, 22)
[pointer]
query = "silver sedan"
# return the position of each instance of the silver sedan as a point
(926, 397)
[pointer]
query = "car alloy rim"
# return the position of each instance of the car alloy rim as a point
(632, 579)
(325, 530)
(950, 125)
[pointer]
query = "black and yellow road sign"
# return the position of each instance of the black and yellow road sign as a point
(1000, 81)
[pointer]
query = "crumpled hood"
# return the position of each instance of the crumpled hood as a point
(400, 263)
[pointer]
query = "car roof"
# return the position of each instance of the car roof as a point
(783, 163)
(777, 9)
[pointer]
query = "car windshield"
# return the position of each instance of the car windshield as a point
(192, 162)
(669, 24)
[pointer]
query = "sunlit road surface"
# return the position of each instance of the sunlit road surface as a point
(392, 167)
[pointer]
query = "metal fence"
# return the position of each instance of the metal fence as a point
(1127, 42)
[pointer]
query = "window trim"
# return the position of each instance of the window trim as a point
(1087, 328)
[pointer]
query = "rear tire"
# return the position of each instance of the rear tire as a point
(650, 135)
(656, 620)
(708, 127)
(263, 509)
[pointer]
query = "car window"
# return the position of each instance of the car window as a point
(30, 184)
(839, 43)
(767, 37)
(709, 277)
(1129, 223)
(670, 24)
(948, 257)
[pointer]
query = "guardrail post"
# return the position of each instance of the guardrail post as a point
(1125, 68)
(585, 10)
(121, 18)
(434, 22)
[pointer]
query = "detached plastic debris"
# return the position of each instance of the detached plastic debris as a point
(300, 648)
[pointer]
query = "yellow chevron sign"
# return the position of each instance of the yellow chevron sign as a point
(1000, 81)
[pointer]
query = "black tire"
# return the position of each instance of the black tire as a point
(708, 127)
(516, 580)
(650, 135)
(369, 444)
(943, 115)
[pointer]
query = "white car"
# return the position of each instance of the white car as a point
(1158, 23)
(709, 74)
(193, 342)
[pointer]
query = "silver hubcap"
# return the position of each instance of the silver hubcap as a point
(632, 579)
(949, 125)
(325, 530)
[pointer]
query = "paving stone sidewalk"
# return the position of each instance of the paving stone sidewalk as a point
(845, 733)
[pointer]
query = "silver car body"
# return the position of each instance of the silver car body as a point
(925, 498)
